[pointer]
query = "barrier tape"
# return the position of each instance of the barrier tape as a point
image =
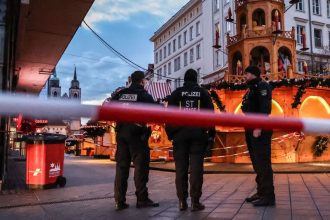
(34, 107)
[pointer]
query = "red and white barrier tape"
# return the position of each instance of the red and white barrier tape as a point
(14, 105)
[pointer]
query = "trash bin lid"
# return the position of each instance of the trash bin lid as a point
(45, 138)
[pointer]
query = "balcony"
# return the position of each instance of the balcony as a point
(240, 3)
(259, 32)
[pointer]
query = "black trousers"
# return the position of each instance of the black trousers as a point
(189, 147)
(260, 153)
(131, 148)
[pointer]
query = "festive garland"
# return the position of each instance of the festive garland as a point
(302, 83)
(297, 99)
(320, 145)
(217, 101)
(311, 82)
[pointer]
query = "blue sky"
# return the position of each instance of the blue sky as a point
(127, 25)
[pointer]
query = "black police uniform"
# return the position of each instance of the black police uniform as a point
(189, 143)
(258, 99)
(132, 145)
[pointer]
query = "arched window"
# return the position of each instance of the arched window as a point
(284, 59)
(242, 21)
(258, 17)
(237, 63)
(260, 57)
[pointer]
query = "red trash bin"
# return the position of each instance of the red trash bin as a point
(44, 161)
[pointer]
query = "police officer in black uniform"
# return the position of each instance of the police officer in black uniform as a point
(258, 99)
(189, 143)
(132, 145)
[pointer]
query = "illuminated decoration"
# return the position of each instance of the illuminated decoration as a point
(305, 68)
(277, 110)
(217, 38)
(239, 69)
(304, 48)
(156, 134)
(277, 23)
(230, 15)
(314, 107)
(320, 145)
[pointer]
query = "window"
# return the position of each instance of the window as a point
(300, 66)
(156, 58)
(179, 41)
(191, 55)
(185, 38)
(198, 51)
(317, 7)
(174, 45)
(191, 32)
(169, 48)
(228, 26)
(165, 70)
(177, 83)
(159, 74)
(328, 8)
(217, 57)
(185, 60)
(160, 55)
(318, 38)
(177, 64)
(198, 75)
(300, 29)
(300, 5)
(169, 68)
(227, 1)
(198, 28)
(216, 5)
(165, 50)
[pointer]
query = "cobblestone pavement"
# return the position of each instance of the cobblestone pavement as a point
(89, 195)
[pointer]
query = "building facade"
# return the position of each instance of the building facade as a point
(203, 18)
(179, 45)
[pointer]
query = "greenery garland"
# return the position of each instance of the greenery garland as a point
(320, 145)
(217, 101)
(311, 82)
(302, 83)
(297, 99)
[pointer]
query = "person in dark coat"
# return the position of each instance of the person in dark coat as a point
(258, 100)
(189, 143)
(132, 145)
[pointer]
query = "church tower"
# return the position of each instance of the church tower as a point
(261, 40)
(54, 88)
(75, 90)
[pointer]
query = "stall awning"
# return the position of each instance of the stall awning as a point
(159, 90)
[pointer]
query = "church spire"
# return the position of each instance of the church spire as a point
(75, 74)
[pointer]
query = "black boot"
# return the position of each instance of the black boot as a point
(264, 201)
(197, 206)
(252, 198)
(146, 203)
(121, 206)
(183, 205)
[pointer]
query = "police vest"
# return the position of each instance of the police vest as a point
(190, 100)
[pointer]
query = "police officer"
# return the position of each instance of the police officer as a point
(189, 143)
(258, 99)
(132, 145)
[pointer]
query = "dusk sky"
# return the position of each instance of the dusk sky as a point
(127, 25)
